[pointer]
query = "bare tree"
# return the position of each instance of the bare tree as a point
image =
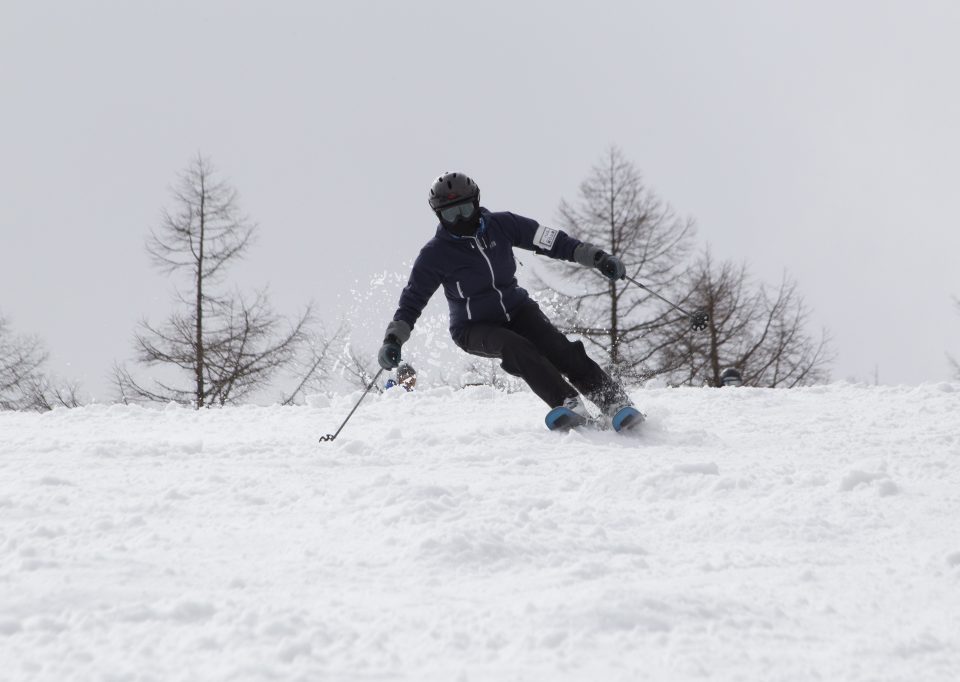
(356, 368)
(21, 358)
(317, 365)
(23, 384)
(45, 394)
(758, 330)
(618, 213)
(228, 346)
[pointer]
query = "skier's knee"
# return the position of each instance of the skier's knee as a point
(510, 369)
(576, 358)
(578, 348)
(517, 355)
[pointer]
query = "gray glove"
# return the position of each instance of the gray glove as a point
(397, 334)
(389, 355)
(611, 266)
(594, 257)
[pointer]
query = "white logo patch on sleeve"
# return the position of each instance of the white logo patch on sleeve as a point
(545, 237)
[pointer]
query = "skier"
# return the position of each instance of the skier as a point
(471, 256)
(731, 377)
(406, 377)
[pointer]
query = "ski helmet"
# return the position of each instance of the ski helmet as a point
(405, 370)
(731, 377)
(452, 188)
(407, 376)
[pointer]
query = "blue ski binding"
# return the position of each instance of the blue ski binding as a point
(626, 419)
(564, 419)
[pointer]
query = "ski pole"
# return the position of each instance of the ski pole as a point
(333, 436)
(698, 320)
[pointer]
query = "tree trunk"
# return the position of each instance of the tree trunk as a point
(199, 316)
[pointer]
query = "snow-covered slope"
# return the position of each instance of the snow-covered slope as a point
(446, 535)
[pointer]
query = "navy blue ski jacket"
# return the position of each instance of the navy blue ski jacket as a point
(478, 273)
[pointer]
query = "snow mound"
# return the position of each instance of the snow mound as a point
(447, 535)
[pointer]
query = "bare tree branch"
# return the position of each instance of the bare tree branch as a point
(761, 332)
(314, 370)
(23, 384)
(228, 346)
(355, 368)
(618, 213)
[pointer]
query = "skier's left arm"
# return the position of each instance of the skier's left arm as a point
(528, 234)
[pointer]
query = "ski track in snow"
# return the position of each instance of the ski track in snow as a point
(747, 534)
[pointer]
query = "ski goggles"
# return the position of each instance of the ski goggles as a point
(451, 214)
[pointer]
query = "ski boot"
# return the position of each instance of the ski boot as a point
(568, 416)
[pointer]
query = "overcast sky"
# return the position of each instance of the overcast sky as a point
(816, 138)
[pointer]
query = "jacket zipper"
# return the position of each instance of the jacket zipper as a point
(493, 278)
(460, 289)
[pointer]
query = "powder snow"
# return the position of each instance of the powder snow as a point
(749, 534)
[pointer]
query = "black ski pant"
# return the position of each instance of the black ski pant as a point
(531, 348)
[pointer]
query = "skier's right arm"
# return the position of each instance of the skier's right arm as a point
(423, 283)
